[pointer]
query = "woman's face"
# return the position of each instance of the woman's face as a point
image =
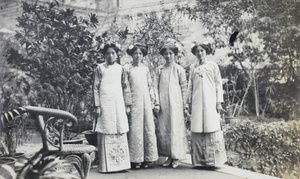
(200, 53)
(111, 55)
(137, 55)
(169, 56)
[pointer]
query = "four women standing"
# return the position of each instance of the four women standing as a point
(111, 81)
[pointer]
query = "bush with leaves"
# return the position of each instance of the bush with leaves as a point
(279, 99)
(268, 32)
(271, 148)
(58, 52)
(15, 91)
(235, 90)
(153, 29)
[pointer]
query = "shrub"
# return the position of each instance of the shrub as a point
(270, 148)
(58, 53)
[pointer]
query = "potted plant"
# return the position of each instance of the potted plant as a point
(235, 92)
(14, 89)
(14, 132)
(91, 135)
(14, 92)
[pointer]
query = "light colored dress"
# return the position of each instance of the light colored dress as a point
(112, 125)
(205, 90)
(171, 129)
(141, 136)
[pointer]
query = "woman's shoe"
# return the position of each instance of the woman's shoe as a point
(145, 164)
(168, 162)
(135, 165)
(175, 163)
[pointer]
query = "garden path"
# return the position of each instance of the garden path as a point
(185, 170)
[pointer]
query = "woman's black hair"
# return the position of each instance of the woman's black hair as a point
(110, 45)
(171, 47)
(206, 47)
(143, 48)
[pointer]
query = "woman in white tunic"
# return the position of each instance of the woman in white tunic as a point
(112, 123)
(205, 95)
(141, 136)
(171, 129)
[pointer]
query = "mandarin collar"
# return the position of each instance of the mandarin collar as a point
(108, 64)
(171, 64)
(203, 62)
(136, 64)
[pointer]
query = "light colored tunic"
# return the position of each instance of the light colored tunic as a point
(141, 136)
(171, 129)
(112, 124)
(204, 91)
(108, 94)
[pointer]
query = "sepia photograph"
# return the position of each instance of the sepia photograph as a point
(120, 89)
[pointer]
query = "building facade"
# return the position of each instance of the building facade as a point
(109, 11)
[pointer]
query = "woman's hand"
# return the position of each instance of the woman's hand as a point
(128, 110)
(156, 109)
(186, 113)
(219, 107)
(97, 111)
(187, 110)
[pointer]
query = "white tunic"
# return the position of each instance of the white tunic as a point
(171, 129)
(141, 137)
(108, 94)
(204, 91)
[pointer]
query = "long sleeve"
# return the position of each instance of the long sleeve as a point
(190, 86)
(126, 87)
(183, 85)
(156, 87)
(150, 87)
(219, 87)
(96, 86)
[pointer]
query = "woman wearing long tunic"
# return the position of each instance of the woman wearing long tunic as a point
(141, 136)
(171, 129)
(112, 123)
(205, 95)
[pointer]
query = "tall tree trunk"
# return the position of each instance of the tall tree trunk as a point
(256, 96)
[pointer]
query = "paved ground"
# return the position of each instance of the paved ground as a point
(184, 171)
(159, 172)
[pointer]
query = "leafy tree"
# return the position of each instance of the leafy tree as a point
(14, 91)
(156, 29)
(58, 53)
(153, 29)
(269, 33)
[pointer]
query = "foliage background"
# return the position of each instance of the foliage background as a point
(266, 50)
(51, 58)
(268, 147)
